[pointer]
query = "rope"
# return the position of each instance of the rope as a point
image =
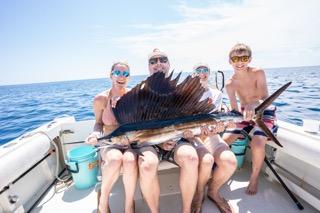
(67, 177)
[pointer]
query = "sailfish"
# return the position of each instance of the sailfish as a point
(159, 109)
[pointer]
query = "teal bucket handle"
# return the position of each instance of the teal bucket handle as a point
(82, 163)
(241, 153)
(72, 164)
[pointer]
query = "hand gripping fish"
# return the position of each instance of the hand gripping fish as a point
(159, 109)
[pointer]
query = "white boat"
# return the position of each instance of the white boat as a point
(29, 166)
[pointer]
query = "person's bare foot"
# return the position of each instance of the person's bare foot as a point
(221, 203)
(196, 205)
(252, 188)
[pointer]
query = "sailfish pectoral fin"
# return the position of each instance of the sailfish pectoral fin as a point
(267, 131)
(259, 110)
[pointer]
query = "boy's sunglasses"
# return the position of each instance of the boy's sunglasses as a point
(202, 70)
(162, 60)
(236, 59)
(118, 73)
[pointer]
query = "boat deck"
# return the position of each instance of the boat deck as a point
(270, 198)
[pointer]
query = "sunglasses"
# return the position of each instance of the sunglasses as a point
(202, 70)
(119, 73)
(162, 60)
(236, 59)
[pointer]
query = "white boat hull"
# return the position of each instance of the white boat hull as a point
(30, 167)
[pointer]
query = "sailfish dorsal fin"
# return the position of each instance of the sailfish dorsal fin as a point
(160, 97)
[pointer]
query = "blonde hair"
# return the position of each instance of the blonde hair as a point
(240, 48)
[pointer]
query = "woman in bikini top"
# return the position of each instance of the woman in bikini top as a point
(116, 156)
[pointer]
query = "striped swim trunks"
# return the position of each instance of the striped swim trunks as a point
(250, 128)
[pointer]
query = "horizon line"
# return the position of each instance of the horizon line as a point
(81, 79)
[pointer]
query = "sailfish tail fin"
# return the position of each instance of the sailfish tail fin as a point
(271, 98)
(259, 112)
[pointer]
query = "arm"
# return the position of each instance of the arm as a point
(98, 106)
(232, 95)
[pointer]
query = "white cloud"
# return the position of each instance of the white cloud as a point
(281, 33)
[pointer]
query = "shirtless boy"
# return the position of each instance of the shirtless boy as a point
(250, 86)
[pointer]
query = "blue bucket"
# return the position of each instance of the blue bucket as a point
(239, 149)
(83, 164)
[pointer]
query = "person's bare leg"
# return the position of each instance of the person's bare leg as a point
(129, 177)
(258, 153)
(149, 181)
(205, 167)
(186, 157)
(110, 174)
(226, 165)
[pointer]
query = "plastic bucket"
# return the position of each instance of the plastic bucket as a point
(83, 164)
(239, 149)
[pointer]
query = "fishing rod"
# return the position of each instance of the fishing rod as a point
(222, 80)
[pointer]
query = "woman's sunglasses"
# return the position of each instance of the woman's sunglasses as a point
(162, 60)
(236, 59)
(202, 70)
(118, 73)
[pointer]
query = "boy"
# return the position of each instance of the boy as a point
(250, 86)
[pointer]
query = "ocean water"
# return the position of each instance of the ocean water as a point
(26, 107)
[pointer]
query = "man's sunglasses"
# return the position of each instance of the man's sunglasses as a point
(162, 60)
(118, 73)
(202, 70)
(236, 59)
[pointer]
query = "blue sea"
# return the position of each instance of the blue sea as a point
(26, 107)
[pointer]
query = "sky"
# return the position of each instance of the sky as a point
(45, 41)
